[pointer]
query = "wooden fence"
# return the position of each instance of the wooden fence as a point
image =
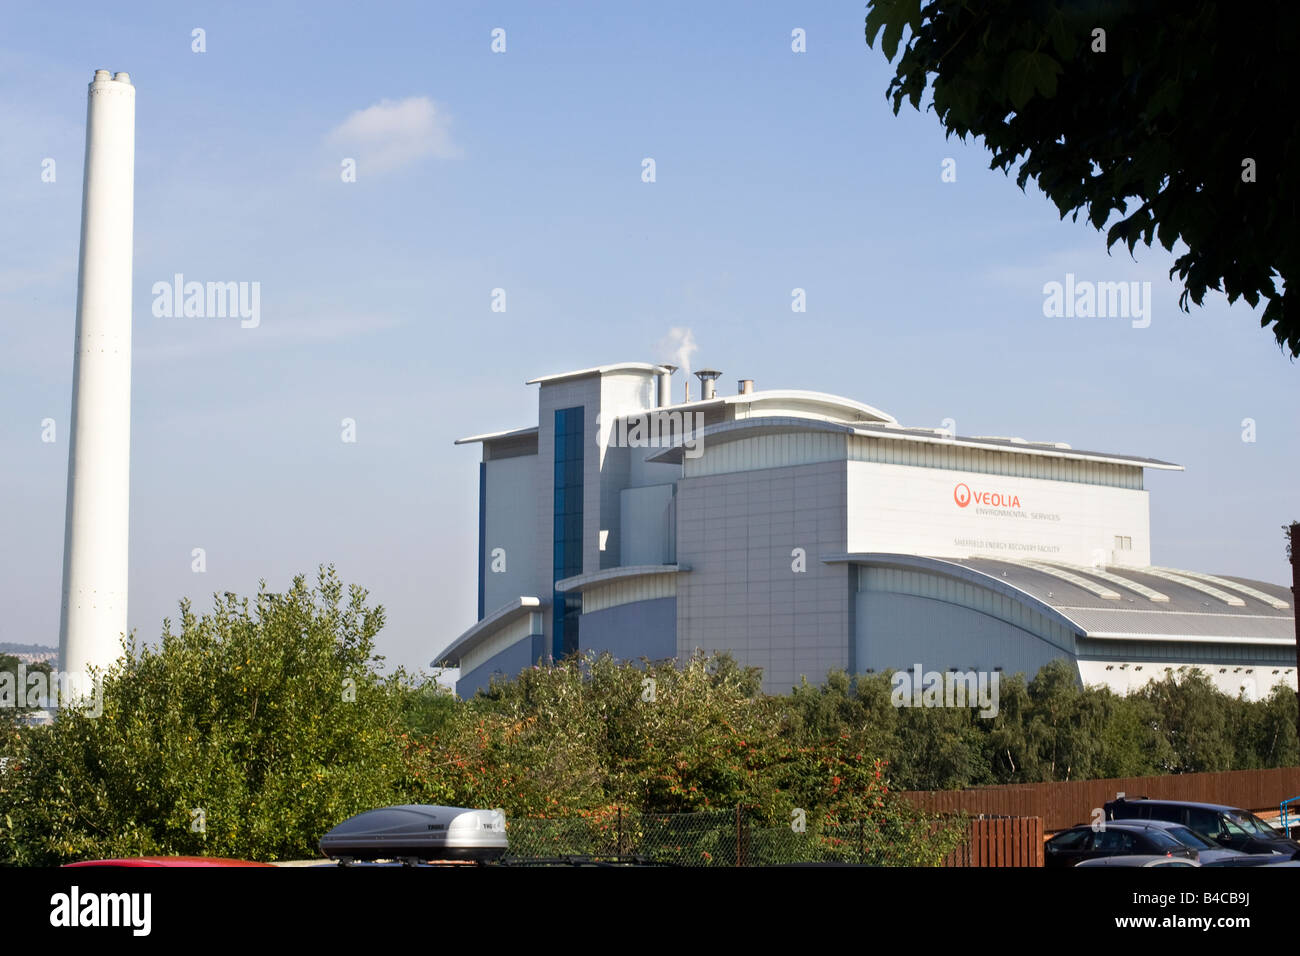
(1001, 841)
(1062, 805)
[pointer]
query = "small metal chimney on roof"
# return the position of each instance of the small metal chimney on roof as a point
(707, 377)
(745, 387)
(666, 384)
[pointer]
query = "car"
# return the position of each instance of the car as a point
(1207, 851)
(1083, 842)
(1227, 826)
(413, 832)
(203, 861)
(1255, 859)
(1140, 859)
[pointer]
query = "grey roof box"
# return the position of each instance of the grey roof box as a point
(420, 832)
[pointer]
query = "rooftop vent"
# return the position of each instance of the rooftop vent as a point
(666, 384)
(707, 377)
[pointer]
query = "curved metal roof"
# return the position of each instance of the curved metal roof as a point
(803, 404)
(745, 427)
(580, 582)
(961, 571)
(511, 611)
(1190, 614)
(597, 370)
(797, 399)
(494, 436)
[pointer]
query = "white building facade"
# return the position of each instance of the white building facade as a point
(805, 532)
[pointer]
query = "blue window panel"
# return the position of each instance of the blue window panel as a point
(567, 527)
(482, 538)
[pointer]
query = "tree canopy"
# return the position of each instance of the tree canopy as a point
(250, 730)
(237, 735)
(1172, 121)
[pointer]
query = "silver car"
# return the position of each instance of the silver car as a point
(1138, 859)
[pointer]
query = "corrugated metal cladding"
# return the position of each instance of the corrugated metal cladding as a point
(765, 451)
(981, 461)
(901, 630)
(514, 447)
(805, 448)
(521, 628)
(629, 591)
(1257, 655)
(1233, 628)
(941, 588)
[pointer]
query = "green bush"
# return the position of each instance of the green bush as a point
(248, 733)
(255, 728)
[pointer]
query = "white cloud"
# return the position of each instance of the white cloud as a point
(395, 133)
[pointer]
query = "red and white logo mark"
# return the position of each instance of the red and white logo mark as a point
(990, 499)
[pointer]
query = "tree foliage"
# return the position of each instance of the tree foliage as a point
(1169, 120)
(253, 729)
(591, 734)
(1051, 728)
(239, 735)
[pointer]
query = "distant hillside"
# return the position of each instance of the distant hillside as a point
(32, 650)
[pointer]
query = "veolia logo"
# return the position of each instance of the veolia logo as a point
(991, 499)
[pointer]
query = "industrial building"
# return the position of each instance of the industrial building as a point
(805, 532)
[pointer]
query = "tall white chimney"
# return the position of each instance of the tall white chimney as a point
(96, 524)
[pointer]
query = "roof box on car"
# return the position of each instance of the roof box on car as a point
(418, 832)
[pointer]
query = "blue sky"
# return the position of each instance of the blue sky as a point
(522, 171)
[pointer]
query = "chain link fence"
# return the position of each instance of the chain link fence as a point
(723, 838)
(708, 838)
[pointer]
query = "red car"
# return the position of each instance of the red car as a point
(168, 861)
